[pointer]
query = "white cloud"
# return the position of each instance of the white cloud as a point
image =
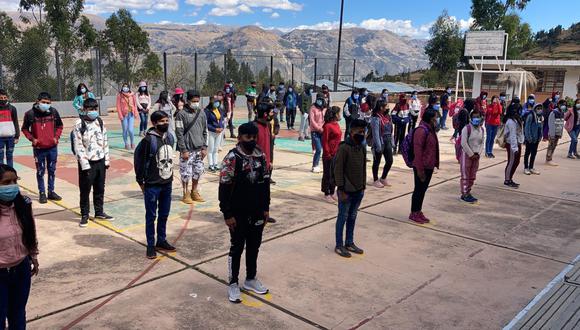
(267, 10)
(165, 22)
(235, 7)
(109, 6)
(400, 27)
(464, 24)
(275, 15)
(324, 26)
(150, 12)
(245, 8)
(200, 22)
(9, 5)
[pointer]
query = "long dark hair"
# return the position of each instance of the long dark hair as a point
(23, 210)
(513, 112)
(163, 98)
(81, 85)
(378, 106)
(331, 114)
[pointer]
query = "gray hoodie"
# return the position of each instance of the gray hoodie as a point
(196, 137)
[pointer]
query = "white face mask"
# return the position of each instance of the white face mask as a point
(577, 105)
(194, 105)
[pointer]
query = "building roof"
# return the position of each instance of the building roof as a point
(373, 87)
(523, 63)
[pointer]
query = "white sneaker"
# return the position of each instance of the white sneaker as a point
(385, 182)
(256, 286)
(527, 171)
(378, 184)
(316, 169)
(329, 199)
(534, 171)
(551, 163)
(234, 293)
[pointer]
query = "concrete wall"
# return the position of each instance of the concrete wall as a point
(570, 82)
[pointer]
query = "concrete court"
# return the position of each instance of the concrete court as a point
(474, 267)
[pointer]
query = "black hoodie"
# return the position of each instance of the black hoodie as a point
(157, 169)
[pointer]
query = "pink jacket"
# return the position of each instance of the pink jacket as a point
(124, 102)
(316, 119)
(569, 118)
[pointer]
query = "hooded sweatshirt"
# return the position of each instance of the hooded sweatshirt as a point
(331, 137)
(160, 169)
(45, 127)
(9, 121)
(533, 127)
(316, 118)
(480, 103)
(350, 167)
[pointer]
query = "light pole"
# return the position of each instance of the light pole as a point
(337, 71)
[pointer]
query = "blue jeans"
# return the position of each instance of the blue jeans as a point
(143, 124)
(443, 118)
(157, 203)
(127, 124)
(490, 132)
(45, 159)
(574, 140)
(347, 212)
(7, 143)
(317, 143)
(14, 291)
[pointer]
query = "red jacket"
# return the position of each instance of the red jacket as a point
(45, 127)
(425, 148)
(264, 141)
(331, 137)
(493, 113)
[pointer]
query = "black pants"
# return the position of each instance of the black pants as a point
(14, 292)
(420, 190)
(231, 125)
(327, 185)
(247, 232)
(290, 117)
(413, 122)
(530, 154)
(387, 153)
(400, 131)
(347, 120)
(95, 179)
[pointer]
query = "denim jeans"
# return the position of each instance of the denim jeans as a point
(491, 131)
(574, 140)
(347, 212)
(317, 144)
(443, 118)
(45, 160)
(7, 143)
(143, 124)
(157, 203)
(14, 291)
(127, 123)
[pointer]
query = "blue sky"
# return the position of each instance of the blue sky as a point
(411, 18)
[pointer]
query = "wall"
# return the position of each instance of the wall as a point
(570, 82)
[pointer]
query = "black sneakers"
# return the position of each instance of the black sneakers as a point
(354, 249)
(104, 216)
(511, 184)
(342, 251)
(54, 196)
(42, 198)
(84, 221)
(271, 220)
(165, 246)
(151, 254)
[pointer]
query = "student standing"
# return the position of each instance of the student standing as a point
(164, 104)
(154, 173)
(426, 159)
(414, 109)
(445, 107)
(267, 126)
(481, 102)
(251, 100)
(514, 137)
(400, 116)
(351, 110)
(317, 112)
(127, 111)
(305, 104)
(91, 148)
(382, 142)
(191, 132)
(43, 127)
(178, 99)
(83, 93)
(331, 137)
(280, 94)
(143, 100)
(9, 129)
(533, 126)
(229, 103)
(492, 122)
(18, 250)
(350, 176)
(215, 127)
(244, 195)
(555, 130)
(290, 102)
(471, 148)
(572, 125)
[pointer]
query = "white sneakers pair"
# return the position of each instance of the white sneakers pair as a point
(235, 295)
(316, 169)
(381, 183)
(530, 171)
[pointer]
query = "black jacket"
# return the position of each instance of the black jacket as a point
(154, 167)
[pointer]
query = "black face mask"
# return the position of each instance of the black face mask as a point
(3, 102)
(358, 138)
(249, 145)
(163, 128)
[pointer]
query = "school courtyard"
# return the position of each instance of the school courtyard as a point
(472, 267)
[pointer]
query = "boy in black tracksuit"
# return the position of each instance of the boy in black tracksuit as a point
(244, 195)
(153, 161)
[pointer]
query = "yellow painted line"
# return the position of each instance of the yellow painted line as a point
(248, 301)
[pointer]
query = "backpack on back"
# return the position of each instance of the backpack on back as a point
(83, 131)
(500, 137)
(407, 150)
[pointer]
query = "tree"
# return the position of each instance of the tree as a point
(151, 69)
(214, 80)
(9, 35)
(369, 77)
(520, 36)
(123, 42)
(180, 75)
(246, 75)
(445, 47)
(487, 14)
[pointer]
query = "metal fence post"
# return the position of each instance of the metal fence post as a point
(99, 73)
(353, 72)
(165, 70)
(195, 69)
(1, 73)
(292, 74)
(225, 67)
(315, 67)
(271, 69)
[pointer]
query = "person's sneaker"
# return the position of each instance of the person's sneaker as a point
(233, 136)
(196, 197)
(54, 196)
(378, 184)
(104, 216)
(354, 249)
(527, 171)
(492, 155)
(329, 199)
(187, 198)
(151, 254)
(467, 199)
(42, 198)
(414, 216)
(534, 171)
(84, 221)
(165, 246)
(571, 156)
(334, 197)
(234, 293)
(423, 217)
(342, 251)
(132, 146)
(515, 184)
(511, 184)
(551, 163)
(127, 147)
(316, 169)
(300, 138)
(272, 182)
(307, 138)
(255, 286)
(271, 220)
(475, 200)
(385, 182)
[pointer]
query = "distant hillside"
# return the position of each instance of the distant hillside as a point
(556, 44)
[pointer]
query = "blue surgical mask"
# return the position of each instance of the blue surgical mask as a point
(281, 86)
(449, 91)
(93, 114)
(231, 85)
(563, 107)
(531, 101)
(476, 121)
(414, 97)
(484, 97)
(556, 98)
(311, 91)
(227, 90)
(9, 192)
(366, 93)
(216, 104)
(577, 105)
(125, 89)
(502, 98)
(44, 107)
(386, 96)
(319, 102)
(437, 106)
(355, 96)
(83, 90)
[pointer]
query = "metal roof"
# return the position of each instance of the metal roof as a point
(373, 87)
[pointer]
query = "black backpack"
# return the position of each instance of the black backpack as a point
(83, 130)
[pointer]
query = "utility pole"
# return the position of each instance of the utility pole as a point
(337, 71)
